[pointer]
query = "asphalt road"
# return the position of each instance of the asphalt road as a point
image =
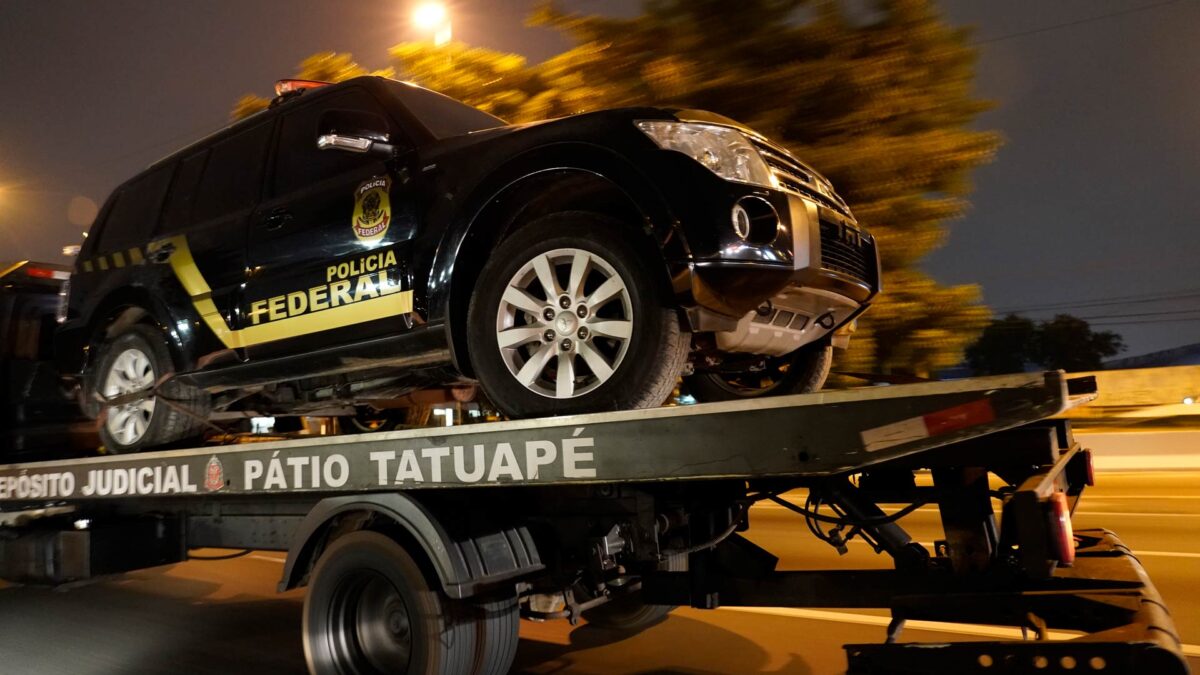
(224, 617)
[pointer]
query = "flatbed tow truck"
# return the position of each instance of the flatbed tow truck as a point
(422, 548)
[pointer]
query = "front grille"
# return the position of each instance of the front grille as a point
(795, 177)
(847, 250)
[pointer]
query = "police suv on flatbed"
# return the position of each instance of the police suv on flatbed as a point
(371, 238)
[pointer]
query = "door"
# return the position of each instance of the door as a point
(204, 222)
(328, 249)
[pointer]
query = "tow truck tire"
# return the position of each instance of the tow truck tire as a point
(371, 610)
(137, 358)
(629, 614)
(498, 622)
(806, 371)
(616, 329)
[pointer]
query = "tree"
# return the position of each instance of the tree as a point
(1063, 343)
(879, 101)
(881, 104)
(1069, 343)
(1005, 346)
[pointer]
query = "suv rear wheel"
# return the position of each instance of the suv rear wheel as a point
(568, 317)
(133, 362)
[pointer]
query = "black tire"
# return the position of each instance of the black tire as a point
(498, 621)
(183, 420)
(628, 613)
(801, 372)
(654, 353)
(371, 610)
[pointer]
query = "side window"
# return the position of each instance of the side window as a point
(178, 211)
(232, 175)
(298, 162)
(91, 243)
(135, 211)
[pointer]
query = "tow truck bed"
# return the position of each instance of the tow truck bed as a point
(635, 497)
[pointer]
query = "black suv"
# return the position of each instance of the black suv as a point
(36, 414)
(366, 239)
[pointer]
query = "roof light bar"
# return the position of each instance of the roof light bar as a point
(287, 86)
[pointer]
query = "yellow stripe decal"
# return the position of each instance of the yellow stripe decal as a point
(193, 282)
(327, 319)
(135, 256)
(103, 263)
(118, 259)
(87, 265)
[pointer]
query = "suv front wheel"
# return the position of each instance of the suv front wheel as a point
(133, 362)
(568, 317)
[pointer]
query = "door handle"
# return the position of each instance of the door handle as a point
(161, 254)
(277, 219)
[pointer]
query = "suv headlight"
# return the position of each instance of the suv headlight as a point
(724, 151)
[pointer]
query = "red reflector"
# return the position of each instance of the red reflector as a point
(959, 417)
(1091, 467)
(1062, 534)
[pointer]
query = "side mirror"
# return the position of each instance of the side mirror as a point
(354, 131)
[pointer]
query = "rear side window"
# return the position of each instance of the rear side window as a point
(232, 175)
(298, 162)
(178, 211)
(135, 210)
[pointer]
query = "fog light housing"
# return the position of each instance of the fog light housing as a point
(755, 220)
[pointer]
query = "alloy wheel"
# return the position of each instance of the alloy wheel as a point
(564, 323)
(132, 371)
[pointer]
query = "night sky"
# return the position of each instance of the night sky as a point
(1094, 196)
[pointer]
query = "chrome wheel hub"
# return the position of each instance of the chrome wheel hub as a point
(132, 371)
(564, 323)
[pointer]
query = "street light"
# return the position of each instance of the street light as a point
(432, 16)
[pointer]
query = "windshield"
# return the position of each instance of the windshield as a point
(442, 115)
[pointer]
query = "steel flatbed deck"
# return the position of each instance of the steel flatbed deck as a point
(588, 516)
(809, 435)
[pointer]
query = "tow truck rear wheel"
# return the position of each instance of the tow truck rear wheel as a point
(801, 372)
(628, 613)
(568, 316)
(371, 610)
(132, 362)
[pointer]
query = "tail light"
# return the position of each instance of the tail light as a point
(1062, 534)
(46, 273)
(1090, 463)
